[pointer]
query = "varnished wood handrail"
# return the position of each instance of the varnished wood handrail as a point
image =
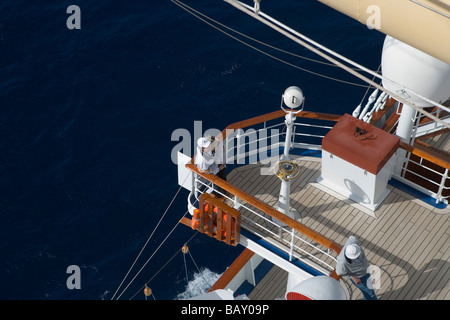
(440, 161)
(268, 210)
(259, 204)
(272, 116)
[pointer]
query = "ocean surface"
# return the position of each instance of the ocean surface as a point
(86, 123)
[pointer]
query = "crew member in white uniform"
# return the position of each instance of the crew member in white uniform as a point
(209, 159)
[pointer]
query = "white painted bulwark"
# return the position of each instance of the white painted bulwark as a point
(185, 176)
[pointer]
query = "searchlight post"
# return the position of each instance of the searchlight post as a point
(286, 170)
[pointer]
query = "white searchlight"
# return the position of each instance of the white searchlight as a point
(293, 98)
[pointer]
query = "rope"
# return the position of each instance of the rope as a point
(191, 11)
(167, 262)
(151, 235)
(370, 86)
(199, 272)
(148, 260)
(311, 45)
(185, 268)
(253, 39)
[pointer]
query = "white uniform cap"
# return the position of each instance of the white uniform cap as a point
(203, 142)
(352, 251)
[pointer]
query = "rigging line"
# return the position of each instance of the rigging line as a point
(151, 235)
(194, 261)
(295, 36)
(199, 272)
(185, 269)
(148, 260)
(256, 40)
(368, 88)
(167, 262)
(250, 11)
(267, 54)
(181, 186)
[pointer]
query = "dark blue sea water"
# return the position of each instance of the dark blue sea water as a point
(86, 118)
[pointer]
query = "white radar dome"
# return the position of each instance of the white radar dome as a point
(416, 71)
(317, 288)
(293, 97)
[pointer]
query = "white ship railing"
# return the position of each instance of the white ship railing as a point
(438, 187)
(264, 227)
(377, 102)
(262, 142)
(255, 144)
(244, 147)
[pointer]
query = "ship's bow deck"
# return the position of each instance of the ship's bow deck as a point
(408, 240)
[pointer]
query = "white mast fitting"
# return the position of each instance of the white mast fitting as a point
(287, 170)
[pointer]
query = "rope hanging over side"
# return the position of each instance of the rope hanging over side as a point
(167, 262)
(145, 245)
(185, 267)
(199, 272)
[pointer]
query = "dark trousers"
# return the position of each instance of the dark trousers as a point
(367, 291)
(222, 174)
(218, 191)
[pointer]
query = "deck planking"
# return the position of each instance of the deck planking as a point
(408, 241)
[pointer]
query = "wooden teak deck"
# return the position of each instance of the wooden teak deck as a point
(408, 240)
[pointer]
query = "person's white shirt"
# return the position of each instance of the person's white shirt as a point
(207, 160)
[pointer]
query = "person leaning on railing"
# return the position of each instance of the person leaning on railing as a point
(209, 159)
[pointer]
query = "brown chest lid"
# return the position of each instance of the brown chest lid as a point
(360, 143)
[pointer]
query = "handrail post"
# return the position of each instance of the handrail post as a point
(291, 253)
(441, 186)
(241, 197)
(299, 227)
(201, 207)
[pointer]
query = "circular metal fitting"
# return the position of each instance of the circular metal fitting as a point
(287, 170)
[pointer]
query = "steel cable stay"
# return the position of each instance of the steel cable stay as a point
(162, 268)
(148, 260)
(198, 269)
(146, 243)
(325, 53)
(185, 250)
(185, 268)
(192, 12)
(317, 48)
